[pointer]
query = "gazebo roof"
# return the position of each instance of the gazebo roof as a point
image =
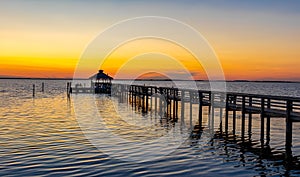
(101, 75)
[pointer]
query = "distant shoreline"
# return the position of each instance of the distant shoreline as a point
(28, 78)
(269, 81)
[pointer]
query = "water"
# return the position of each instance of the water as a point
(50, 135)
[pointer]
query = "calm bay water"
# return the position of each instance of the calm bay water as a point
(45, 136)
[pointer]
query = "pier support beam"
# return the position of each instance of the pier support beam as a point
(234, 117)
(250, 120)
(262, 122)
(211, 121)
(289, 130)
(191, 109)
(200, 109)
(226, 114)
(43, 87)
(268, 126)
(182, 104)
(147, 99)
(243, 116)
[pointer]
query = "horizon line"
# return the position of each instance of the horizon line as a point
(236, 80)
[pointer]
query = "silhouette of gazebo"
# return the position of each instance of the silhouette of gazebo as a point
(101, 82)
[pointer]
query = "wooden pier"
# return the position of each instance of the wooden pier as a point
(166, 104)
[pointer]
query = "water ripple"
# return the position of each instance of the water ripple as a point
(41, 137)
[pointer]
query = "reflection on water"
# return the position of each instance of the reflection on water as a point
(42, 137)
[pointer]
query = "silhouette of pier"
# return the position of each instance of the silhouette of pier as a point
(167, 101)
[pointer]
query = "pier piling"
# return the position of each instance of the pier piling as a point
(33, 90)
(43, 87)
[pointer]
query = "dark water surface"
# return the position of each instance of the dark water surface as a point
(45, 136)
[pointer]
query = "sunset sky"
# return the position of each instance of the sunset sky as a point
(254, 40)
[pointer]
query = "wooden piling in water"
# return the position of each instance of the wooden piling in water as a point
(43, 87)
(250, 119)
(33, 90)
(234, 116)
(262, 122)
(191, 107)
(174, 104)
(226, 114)
(147, 99)
(200, 114)
(69, 89)
(268, 123)
(212, 111)
(243, 116)
(182, 104)
(288, 129)
(155, 100)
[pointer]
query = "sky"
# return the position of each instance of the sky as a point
(253, 40)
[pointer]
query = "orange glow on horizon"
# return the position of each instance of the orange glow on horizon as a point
(34, 56)
(37, 68)
(148, 54)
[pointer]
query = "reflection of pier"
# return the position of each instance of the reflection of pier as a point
(230, 143)
(166, 103)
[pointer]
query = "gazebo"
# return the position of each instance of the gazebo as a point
(101, 82)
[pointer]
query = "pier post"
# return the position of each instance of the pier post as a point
(68, 90)
(151, 96)
(182, 104)
(127, 92)
(174, 104)
(191, 109)
(268, 128)
(167, 101)
(234, 116)
(250, 119)
(33, 90)
(138, 103)
(177, 100)
(289, 129)
(130, 95)
(209, 107)
(211, 121)
(221, 117)
(221, 112)
(135, 97)
(226, 114)
(200, 109)
(243, 116)
(170, 102)
(43, 85)
(160, 104)
(262, 122)
(147, 99)
(155, 100)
